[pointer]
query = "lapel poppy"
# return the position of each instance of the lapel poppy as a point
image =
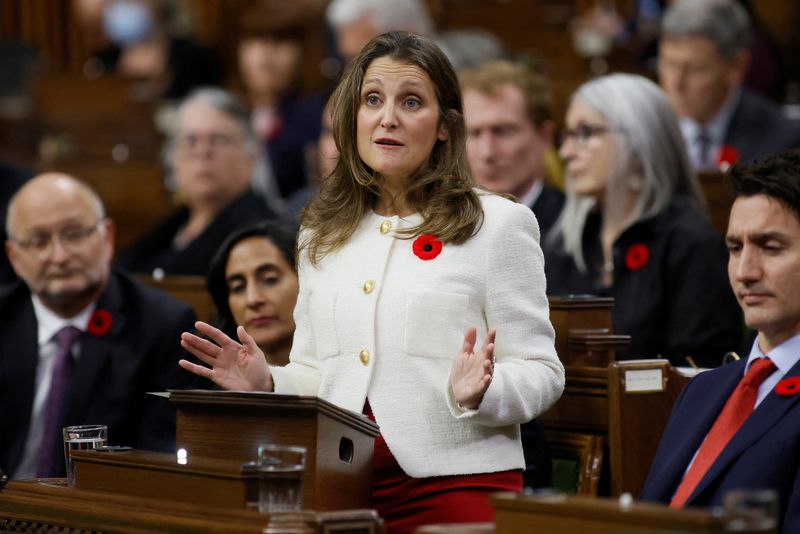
(637, 256)
(727, 157)
(426, 247)
(788, 386)
(100, 322)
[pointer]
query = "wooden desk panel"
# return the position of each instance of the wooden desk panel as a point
(49, 506)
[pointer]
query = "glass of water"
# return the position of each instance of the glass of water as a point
(82, 438)
(280, 474)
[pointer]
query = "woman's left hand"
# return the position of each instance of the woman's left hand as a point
(471, 373)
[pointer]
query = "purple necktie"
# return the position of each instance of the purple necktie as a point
(56, 400)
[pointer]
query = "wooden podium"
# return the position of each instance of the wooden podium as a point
(218, 435)
(211, 485)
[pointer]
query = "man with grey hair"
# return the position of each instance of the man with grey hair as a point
(79, 343)
(703, 58)
(356, 22)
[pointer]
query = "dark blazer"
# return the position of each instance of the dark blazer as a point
(764, 453)
(676, 303)
(111, 375)
(547, 208)
(758, 129)
(155, 249)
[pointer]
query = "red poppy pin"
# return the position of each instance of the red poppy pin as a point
(726, 157)
(100, 323)
(637, 256)
(788, 386)
(426, 247)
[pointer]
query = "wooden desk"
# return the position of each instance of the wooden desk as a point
(561, 514)
(50, 506)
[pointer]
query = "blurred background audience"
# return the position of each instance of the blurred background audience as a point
(508, 110)
(218, 168)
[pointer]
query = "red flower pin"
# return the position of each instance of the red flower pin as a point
(637, 256)
(788, 386)
(726, 157)
(426, 247)
(100, 323)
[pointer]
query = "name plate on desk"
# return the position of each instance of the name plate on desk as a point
(644, 380)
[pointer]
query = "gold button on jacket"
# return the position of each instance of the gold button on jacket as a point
(369, 285)
(386, 226)
(364, 356)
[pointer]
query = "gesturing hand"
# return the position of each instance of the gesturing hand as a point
(235, 366)
(471, 373)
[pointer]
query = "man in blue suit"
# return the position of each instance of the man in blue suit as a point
(764, 451)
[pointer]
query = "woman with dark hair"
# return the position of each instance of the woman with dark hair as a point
(404, 267)
(253, 281)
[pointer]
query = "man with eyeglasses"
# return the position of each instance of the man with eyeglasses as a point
(79, 343)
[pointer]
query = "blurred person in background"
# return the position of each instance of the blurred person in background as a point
(285, 120)
(508, 109)
(355, 22)
(217, 164)
(147, 41)
(634, 226)
(704, 55)
(253, 281)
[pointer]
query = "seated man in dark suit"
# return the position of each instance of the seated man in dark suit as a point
(508, 110)
(738, 426)
(79, 344)
(703, 58)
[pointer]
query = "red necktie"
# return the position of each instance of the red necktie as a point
(735, 412)
(56, 401)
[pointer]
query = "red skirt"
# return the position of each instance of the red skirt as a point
(406, 503)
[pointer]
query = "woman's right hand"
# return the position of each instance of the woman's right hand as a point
(233, 366)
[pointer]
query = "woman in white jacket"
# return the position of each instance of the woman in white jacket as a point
(403, 268)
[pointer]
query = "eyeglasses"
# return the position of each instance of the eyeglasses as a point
(214, 141)
(582, 133)
(71, 238)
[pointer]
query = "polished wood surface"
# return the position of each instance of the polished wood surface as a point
(587, 450)
(210, 481)
(579, 313)
(718, 199)
(189, 289)
(50, 506)
(231, 425)
(562, 514)
(637, 420)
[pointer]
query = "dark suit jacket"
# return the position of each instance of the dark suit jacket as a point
(758, 129)
(764, 453)
(155, 249)
(111, 375)
(547, 208)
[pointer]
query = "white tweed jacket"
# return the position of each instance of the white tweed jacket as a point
(376, 321)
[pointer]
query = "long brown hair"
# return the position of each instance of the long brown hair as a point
(441, 191)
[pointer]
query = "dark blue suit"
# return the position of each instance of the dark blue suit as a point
(764, 453)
